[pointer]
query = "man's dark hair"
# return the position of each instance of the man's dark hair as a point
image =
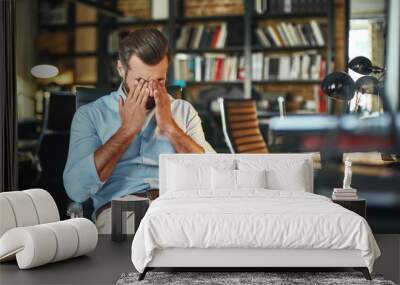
(149, 44)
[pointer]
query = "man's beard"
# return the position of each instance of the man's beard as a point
(150, 104)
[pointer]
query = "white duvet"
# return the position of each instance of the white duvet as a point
(253, 218)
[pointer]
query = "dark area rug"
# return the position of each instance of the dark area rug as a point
(243, 278)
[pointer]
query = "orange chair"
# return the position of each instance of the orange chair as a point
(240, 126)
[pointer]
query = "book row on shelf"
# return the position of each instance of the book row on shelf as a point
(217, 35)
(289, 6)
(297, 66)
(286, 34)
(210, 67)
(221, 67)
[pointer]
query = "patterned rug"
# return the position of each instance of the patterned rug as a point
(243, 278)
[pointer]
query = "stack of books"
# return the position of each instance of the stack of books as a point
(209, 67)
(344, 194)
(287, 34)
(296, 66)
(289, 6)
(210, 36)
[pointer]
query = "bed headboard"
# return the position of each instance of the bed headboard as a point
(212, 159)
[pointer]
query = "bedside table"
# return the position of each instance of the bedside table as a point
(119, 206)
(358, 206)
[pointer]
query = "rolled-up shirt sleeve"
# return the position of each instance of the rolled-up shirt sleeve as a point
(80, 175)
(194, 129)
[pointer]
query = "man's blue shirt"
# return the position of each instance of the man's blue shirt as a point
(137, 170)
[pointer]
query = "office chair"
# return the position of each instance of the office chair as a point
(240, 126)
(52, 150)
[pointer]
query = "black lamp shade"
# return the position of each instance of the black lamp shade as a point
(368, 84)
(339, 85)
(361, 65)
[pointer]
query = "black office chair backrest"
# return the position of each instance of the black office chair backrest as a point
(85, 95)
(59, 109)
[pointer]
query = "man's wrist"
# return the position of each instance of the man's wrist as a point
(126, 134)
(170, 129)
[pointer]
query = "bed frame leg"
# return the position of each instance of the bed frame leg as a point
(143, 274)
(364, 271)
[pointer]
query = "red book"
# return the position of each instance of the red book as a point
(215, 37)
(322, 102)
(219, 62)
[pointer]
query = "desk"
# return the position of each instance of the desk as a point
(102, 266)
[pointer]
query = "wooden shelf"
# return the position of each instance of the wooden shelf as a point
(214, 82)
(291, 15)
(210, 50)
(210, 18)
(137, 22)
(293, 48)
(67, 55)
(286, 81)
(67, 26)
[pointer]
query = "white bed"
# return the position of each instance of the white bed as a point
(201, 226)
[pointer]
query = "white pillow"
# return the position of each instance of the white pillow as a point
(294, 181)
(226, 179)
(251, 178)
(185, 177)
(223, 179)
(282, 174)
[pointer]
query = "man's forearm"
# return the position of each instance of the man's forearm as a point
(107, 156)
(181, 141)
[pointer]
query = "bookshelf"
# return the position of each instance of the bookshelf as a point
(249, 20)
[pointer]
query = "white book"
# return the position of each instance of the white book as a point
(281, 73)
(253, 65)
(262, 37)
(159, 9)
(182, 40)
(241, 67)
(258, 6)
(222, 36)
(266, 68)
(197, 36)
(261, 65)
(233, 69)
(287, 62)
(176, 68)
(257, 66)
(198, 68)
(344, 198)
(293, 33)
(317, 32)
(225, 68)
(302, 36)
(288, 34)
(287, 6)
(295, 70)
(345, 194)
(283, 35)
(344, 190)
(316, 66)
(228, 68)
(305, 66)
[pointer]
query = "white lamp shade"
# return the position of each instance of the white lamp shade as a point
(44, 71)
